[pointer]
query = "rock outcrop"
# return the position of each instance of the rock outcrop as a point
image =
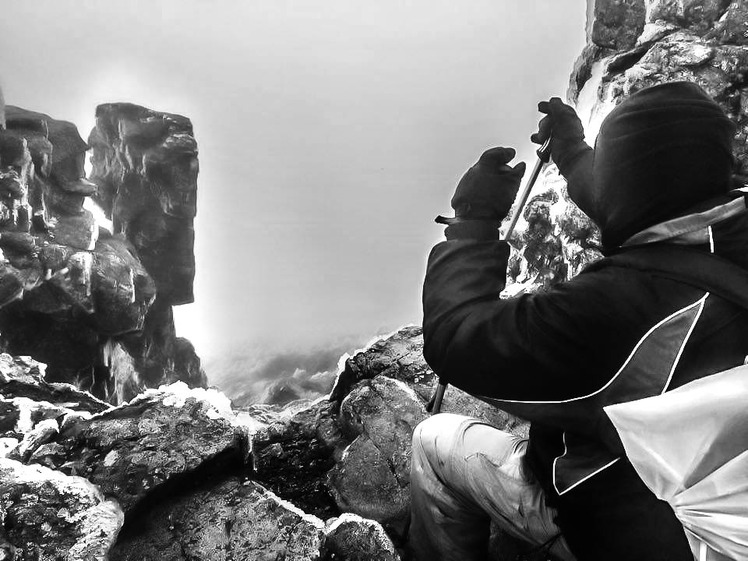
(632, 44)
(178, 474)
(702, 42)
(94, 303)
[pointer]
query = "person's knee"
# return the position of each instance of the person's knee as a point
(434, 439)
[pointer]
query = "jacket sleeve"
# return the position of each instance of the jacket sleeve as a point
(551, 345)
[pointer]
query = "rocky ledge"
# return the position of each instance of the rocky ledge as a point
(177, 473)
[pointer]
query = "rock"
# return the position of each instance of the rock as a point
(232, 520)
(49, 515)
(78, 232)
(373, 476)
(131, 450)
(352, 538)
(364, 484)
(20, 242)
(40, 435)
(386, 411)
(11, 285)
(732, 27)
(616, 23)
(698, 15)
(123, 291)
(400, 357)
(22, 377)
(65, 294)
(145, 167)
(292, 455)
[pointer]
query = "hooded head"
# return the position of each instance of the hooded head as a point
(661, 151)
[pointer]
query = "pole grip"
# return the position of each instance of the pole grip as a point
(435, 405)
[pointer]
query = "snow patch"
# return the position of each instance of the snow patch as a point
(177, 394)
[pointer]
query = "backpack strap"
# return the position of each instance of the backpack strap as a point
(691, 266)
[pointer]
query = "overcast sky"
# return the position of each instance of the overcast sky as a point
(331, 132)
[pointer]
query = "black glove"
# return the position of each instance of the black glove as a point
(562, 122)
(487, 190)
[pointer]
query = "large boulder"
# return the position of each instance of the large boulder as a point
(232, 520)
(372, 477)
(136, 448)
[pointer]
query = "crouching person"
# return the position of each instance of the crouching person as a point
(638, 323)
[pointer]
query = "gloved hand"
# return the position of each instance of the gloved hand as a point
(487, 190)
(562, 122)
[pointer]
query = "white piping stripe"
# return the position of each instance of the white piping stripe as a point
(606, 466)
(687, 224)
(620, 370)
(701, 302)
(553, 471)
(711, 240)
(703, 550)
(685, 341)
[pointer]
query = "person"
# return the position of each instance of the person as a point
(659, 185)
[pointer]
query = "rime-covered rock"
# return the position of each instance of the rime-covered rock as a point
(131, 450)
(352, 538)
(232, 520)
(48, 515)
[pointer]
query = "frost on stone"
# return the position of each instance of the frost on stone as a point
(49, 515)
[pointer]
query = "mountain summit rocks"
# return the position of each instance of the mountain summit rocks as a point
(177, 473)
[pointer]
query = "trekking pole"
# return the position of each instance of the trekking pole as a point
(544, 156)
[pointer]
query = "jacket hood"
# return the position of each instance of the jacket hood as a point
(660, 152)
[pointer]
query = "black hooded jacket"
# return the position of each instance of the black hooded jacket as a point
(577, 339)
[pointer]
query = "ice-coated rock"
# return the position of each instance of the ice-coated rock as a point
(48, 515)
(232, 520)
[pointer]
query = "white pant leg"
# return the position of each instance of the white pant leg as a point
(464, 473)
